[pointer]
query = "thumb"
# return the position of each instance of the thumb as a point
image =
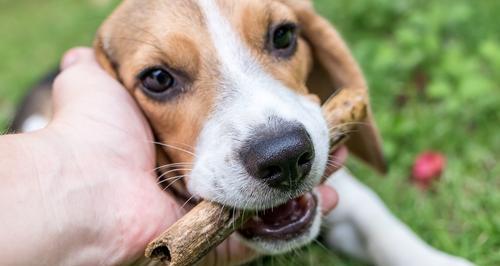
(83, 85)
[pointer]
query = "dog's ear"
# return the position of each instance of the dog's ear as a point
(335, 68)
(103, 57)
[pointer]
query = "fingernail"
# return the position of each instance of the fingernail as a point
(69, 59)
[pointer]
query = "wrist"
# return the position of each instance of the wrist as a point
(44, 203)
(26, 210)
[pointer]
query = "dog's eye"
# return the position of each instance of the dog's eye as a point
(157, 81)
(283, 39)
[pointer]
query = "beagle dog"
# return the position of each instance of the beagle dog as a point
(232, 82)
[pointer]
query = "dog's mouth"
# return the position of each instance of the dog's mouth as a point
(287, 221)
(283, 222)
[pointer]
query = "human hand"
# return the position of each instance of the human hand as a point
(97, 195)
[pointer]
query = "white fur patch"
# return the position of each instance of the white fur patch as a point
(34, 123)
(247, 97)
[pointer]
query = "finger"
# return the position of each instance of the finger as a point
(230, 252)
(84, 85)
(78, 55)
(329, 198)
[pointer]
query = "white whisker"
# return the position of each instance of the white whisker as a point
(187, 201)
(170, 165)
(171, 178)
(173, 170)
(348, 124)
(174, 147)
(173, 182)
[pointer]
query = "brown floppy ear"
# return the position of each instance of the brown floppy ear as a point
(103, 58)
(335, 68)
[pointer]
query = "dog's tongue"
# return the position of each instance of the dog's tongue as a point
(284, 221)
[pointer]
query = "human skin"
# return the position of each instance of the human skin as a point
(82, 191)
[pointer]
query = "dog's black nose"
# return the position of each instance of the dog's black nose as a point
(281, 155)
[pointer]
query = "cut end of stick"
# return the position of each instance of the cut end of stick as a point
(195, 234)
(161, 253)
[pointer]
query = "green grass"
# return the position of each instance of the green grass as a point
(34, 36)
(434, 71)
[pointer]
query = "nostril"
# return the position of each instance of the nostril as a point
(271, 172)
(305, 158)
(304, 164)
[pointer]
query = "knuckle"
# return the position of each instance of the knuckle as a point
(60, 81)
(72, 76)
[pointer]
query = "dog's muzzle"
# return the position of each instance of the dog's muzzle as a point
(280, 156)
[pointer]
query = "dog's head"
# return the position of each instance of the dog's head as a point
(224, 85)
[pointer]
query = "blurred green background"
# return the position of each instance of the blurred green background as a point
(434, 71)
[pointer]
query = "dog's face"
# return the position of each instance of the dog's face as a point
(226, 80)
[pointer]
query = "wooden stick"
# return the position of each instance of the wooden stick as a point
(196, 233)
(208, 224)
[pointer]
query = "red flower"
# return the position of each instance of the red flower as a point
(428, 166)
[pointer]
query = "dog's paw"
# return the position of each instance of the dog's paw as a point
(454, 261)
(441, 259)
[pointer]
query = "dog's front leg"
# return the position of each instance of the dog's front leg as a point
(363, 227)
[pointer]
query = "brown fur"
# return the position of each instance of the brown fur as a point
(172, 33)
(177, 40)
